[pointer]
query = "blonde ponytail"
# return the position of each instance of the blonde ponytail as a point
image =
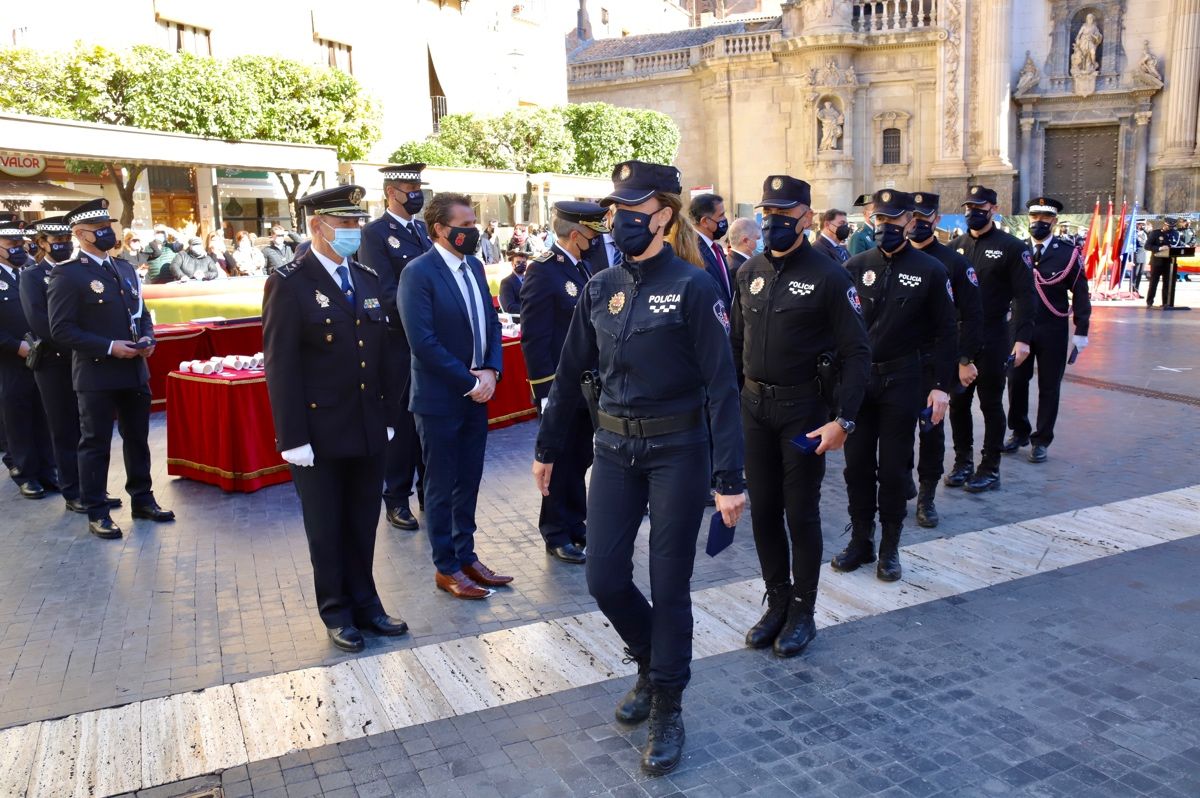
(680, 233)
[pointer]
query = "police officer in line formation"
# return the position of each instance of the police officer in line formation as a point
(552, 287)
(28, 441)
(1057, 271)
(932, 442)
(908, 306)
(510, 286)
(388, 244)
(1002, 264)
(793, 306)
(95, 309)
(658, 330)
(335, 396)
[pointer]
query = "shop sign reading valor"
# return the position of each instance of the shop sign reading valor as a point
(21, 164)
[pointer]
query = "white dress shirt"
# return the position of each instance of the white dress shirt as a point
(407, 223)
(331, 266)
(470, 294)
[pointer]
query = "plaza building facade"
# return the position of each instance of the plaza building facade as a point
(1075, 98)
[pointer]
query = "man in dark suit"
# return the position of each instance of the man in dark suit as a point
(389, 243)
(834, 230)
(279, 252)
(553, 286)
(454, 333)
(96, 310)
(28, 439)
(510, 286)
(863, 238)
(707, 212)
(603, 254)
(334, 396)
(744, 235)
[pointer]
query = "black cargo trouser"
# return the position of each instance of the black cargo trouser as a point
(879, 451)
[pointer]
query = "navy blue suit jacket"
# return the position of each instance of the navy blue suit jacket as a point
(439, 333)
(712, 267)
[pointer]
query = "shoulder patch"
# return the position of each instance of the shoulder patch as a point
(544, 256)
(722, 314)
(855, 302)
(286, 270)
(972, 276)
(950, 290)
(1025, 256)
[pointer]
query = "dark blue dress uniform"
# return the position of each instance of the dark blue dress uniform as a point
(659, 332)
(28, 440)
(92, 304)
(789, 312)
(908, 306)
(932, 444)
(1002, 264)
(388, 244)
(53, 374)
(553, 284)
(332, 385)
(1061, 288)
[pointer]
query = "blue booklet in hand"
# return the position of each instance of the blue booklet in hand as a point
(720, 537)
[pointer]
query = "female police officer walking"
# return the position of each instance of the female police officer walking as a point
(660, 334)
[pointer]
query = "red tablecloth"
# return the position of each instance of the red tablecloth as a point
(236, 337)
(176, 343)
(219, 431)
(513, 401)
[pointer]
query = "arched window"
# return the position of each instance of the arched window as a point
(891, 145)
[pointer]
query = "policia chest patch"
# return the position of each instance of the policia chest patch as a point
(664, 303)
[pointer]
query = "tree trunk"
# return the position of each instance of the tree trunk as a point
(125, 177)
(293, 193)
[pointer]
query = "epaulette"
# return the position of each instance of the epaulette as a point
(285, 271)
(545, 256)
(365, 268)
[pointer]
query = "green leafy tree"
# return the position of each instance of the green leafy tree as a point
(431, 152)
(603, 136)
(655, 136)
(532, 140)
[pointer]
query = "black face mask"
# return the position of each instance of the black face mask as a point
(978, 218)
(921, 231)
(105, 239)
(842, 232)
(464, 239)
(780, 232)
(414, 202)
(722, 229)
(1040, 230)
(17, 256)
(520, 268)
(61, 252)
(889, 237)
(631, 231)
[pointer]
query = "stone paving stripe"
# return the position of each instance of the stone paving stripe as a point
(160, 741)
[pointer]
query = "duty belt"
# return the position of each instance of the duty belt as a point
(805, 391)
(649, 427)
(911, 360)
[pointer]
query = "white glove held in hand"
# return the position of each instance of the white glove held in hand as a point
(1080, 342)
(545, 402)
(302, 456)
(391, 433)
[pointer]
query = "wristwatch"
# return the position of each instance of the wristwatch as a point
(965, 361)
(847, 426)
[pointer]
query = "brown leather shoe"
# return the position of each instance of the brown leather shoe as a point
(484, 575)
(459, 585)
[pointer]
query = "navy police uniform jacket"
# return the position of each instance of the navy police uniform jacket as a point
(552, 289)
(1051, 286)
(90, 306)
(13, 324)
(908, 305)
(35, 280)
(967, 302)
(387, 247)
(329, 378)
(1003, 264)
(659, 332)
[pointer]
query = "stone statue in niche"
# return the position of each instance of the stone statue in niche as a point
(1087, 45)
(1146, 73)
(1029, 76)
(831, 120)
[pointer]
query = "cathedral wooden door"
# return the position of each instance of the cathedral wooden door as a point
(1081, 165)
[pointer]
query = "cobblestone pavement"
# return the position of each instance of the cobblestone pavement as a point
(225, 593)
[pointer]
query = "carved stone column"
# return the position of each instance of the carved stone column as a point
(1027, 188)
(1183, 83)
(948, 175)
(1141, 150)
(994, 84)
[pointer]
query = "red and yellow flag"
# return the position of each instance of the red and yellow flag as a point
(1091, 244)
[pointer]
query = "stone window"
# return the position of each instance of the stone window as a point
(891, 145)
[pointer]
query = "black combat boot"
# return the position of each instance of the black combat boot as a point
(1014, 443)
(860, 550)
(634, 707)
(888, 569)
(927, 514)
(763, 633)
(800, 628)
(986, 478)
(664, 745)
(959, 475)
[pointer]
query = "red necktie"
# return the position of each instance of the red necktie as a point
(721, 262)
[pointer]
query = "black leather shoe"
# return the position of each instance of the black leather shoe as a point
(568, 553)
(402, 518)
(152, 512)
(927, 514)
(763, 633)
(386, 625)
(104, 528)
(859, 551)
(959, 475)
(984, 480)
(634, 706)
(1013, 444)
(664, 743)
(113, 501)
(32, 489)
(347, 638)
(77, 506)
(888, 568)
(1037, 454)
(799, 630)
(50, 485)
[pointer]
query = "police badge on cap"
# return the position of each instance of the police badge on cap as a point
(634, 182)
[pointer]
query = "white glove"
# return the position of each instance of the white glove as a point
(1080, 342)
(302, 456)
(545, 402)
(391, 433)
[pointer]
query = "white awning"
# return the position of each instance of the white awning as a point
(38, 191)
(96, 142)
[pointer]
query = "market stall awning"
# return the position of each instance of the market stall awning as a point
(38, 191)
(96, 142)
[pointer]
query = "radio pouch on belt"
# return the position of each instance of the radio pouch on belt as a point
(828, 374)
(589, 381)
